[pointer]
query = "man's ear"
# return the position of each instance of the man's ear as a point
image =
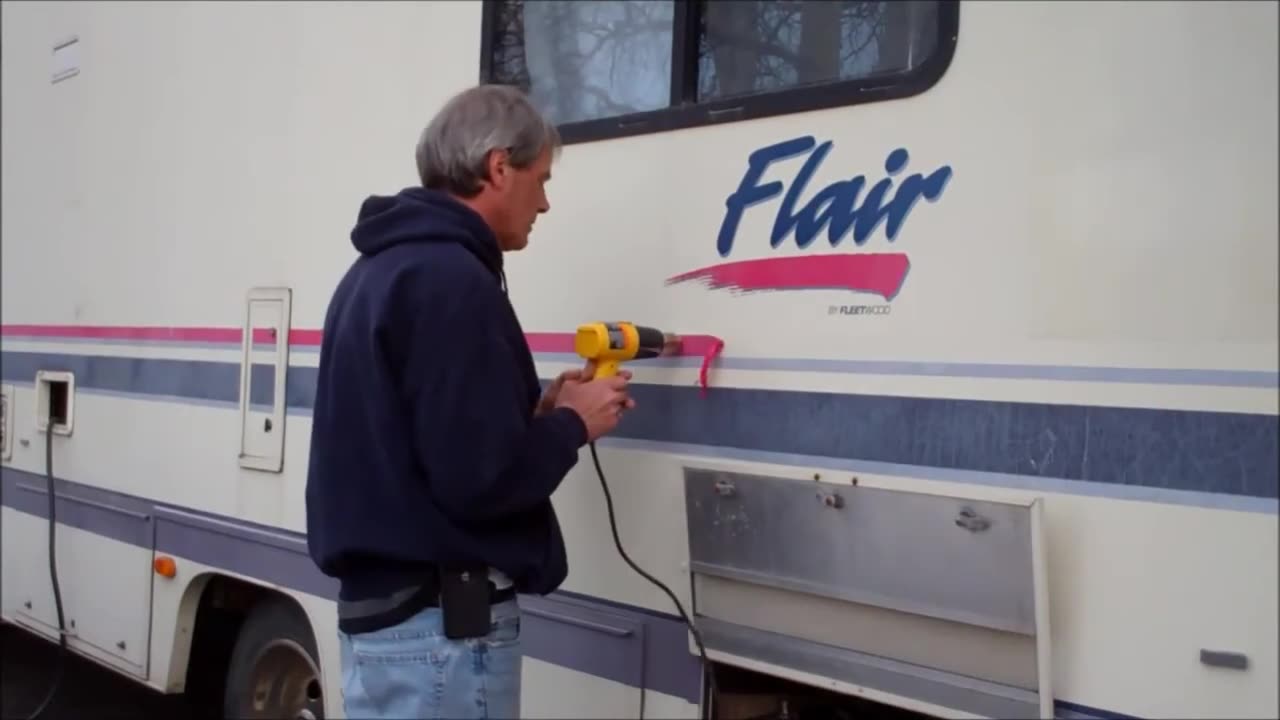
(499, 167)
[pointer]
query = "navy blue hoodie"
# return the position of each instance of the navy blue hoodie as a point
(424, 446)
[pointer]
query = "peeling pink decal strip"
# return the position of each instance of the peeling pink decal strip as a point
(706, 347)
(708, 355)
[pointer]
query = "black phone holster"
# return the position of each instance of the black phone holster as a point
(465, 598)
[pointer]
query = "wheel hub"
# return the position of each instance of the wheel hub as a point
(284, 683)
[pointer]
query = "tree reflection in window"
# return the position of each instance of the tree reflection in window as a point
(590, 59)
(766, 45)
(583, 60)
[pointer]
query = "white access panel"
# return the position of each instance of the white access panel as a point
(105, 584)
(263, 370)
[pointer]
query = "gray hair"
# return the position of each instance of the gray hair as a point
(453, 150)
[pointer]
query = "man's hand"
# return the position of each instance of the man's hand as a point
(552, 394)
(600, 403)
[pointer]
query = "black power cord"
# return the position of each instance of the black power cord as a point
(707, 668)
(53, 570)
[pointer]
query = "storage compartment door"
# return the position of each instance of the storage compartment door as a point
(104, 572)
(939, 601)
(263, 373)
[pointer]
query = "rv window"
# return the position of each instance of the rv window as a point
(610, 68)
(586, 60)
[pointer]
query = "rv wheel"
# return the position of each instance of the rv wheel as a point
(273, 671)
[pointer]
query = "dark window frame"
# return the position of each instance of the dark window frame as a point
(685, 111)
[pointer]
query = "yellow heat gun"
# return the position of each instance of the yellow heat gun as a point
(609, 344)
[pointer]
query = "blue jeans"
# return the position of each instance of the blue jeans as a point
(412, 670)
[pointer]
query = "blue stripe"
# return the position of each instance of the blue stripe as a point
(262, 384)
(1210, 452)
(194, 379)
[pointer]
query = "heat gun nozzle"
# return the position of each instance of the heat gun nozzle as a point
(671, 344)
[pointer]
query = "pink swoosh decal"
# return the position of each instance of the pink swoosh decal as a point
(879, 273)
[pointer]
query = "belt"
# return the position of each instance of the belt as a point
(421, 595)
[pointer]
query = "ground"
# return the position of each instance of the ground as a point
(87, 690)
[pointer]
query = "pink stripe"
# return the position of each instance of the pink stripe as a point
(304, 338)
(539, 342)
(699, 345)
(543, 342)
(151, 334)
(690, 345)
(704, 346)
(101, 332)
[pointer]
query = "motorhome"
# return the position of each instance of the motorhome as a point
(992, 426)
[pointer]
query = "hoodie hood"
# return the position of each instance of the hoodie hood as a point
(418, 215)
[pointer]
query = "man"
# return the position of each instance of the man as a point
(434, 453)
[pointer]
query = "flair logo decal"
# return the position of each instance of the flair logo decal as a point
(841, 209)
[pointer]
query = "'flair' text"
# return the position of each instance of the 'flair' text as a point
(835, 207)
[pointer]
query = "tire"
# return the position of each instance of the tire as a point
(274, 672)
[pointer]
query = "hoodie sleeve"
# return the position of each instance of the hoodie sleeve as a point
(484, 453)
